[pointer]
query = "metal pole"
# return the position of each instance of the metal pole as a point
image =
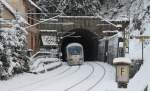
(59, 45)
(142, 50)
(124, 40)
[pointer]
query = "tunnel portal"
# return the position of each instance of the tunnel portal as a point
(88, 39)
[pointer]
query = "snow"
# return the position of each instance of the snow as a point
(44, 60)
(122, 60)
(54, 80)
(70, 75)
(90, 17)
(39, 61)
(11, 38)
(121, 44)
(1, 46)
(21, 19)
(119, 26)
(141, 79)
(17, 25)
(1, 63)
(147, 27)
(35, 5)
(44, 67)
(43, 52)
(49, 31)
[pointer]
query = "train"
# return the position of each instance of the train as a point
(75, 54)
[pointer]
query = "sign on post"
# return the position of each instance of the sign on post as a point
(48, 38)
(122, 71)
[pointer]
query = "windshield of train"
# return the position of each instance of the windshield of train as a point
(74, 50)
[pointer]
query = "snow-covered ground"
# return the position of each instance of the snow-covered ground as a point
(91, 76)
(142, 78)
(94, 76)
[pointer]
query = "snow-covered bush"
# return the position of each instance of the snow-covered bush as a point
(12, 51)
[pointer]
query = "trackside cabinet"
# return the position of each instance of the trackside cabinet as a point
(122, 65)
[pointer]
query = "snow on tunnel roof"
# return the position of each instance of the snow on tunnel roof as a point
(48, 30)
(121, 60)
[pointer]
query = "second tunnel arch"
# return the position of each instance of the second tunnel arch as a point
(87, 38)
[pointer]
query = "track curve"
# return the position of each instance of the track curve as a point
(74, 85)
(101, 78)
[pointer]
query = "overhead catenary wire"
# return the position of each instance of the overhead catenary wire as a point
(42, 21)
(107, 21)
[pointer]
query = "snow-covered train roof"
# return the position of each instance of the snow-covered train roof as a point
(74, 44)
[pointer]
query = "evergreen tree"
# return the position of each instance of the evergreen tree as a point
(12, 51)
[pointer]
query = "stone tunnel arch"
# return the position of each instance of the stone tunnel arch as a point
(88, 39)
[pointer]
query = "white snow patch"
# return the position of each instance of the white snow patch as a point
(45, 67)
(121, 60)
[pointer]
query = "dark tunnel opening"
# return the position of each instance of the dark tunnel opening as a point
(88, 39)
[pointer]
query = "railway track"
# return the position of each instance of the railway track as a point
(100, 79)
(76, 70)
(67, 72)
(45, 78)
(71, 73)
(88, 77)
(74, 85)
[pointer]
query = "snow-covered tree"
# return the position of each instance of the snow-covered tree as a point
(12, 50)
(70, 7)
